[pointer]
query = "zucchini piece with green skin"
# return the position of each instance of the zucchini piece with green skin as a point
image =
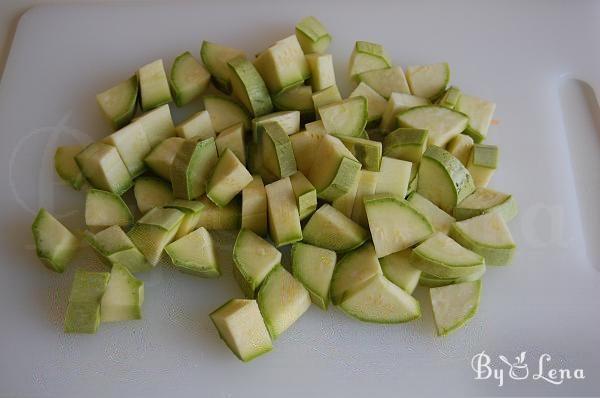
(331, 229)
(321, 69)
(336, 170)
(283, 65)
(277, 151)
(450, 98)
(443, 179)
(188, 79)
(123, 298)
(242, 328)
(215, 57)
(229, 178)
(454, 305)
(347, 117)
(394, 176)
(487, 235)
(55, 245)
(305, 145)
(484, 200)
(352, 270)
(405, 144)
(313, 266)
(155, 230)
(460, 147)
(443, 124)
(298, 98)
(398, 269)
(398, 103)
(254, 207)
(315, 127)
(376, 104)
(367, 184)
(282, 301)
(482, 163)
(83, 310)
(480, 114)
(196, 127)
(66, 167)
(367, 152)
(225, 112)
(325, 97)
(288, 120)
(132, 145)
(158, 125)
(380, 301)
(194, 254)
(113, 246)
(254, 258)
(283, 215)
(232, 138)
(439, 219)
(213, 217)
(312, 36)
(428, 81)
(103, 209)
(345, 203)
(154, 85)
(305, 193)
(118, 103)
(395, 225)
(191, 210)
(162, 156)
(103, 168)
(386, 81)
(443, 257)
(429, 280)
(414, 179)
(191, 168)
(249, 87)
(367, 56)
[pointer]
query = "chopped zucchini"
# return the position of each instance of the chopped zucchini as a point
(367, 184)
(289, 121)
(225, 112)
(104, 209)
(196, 127)
(132, 145)
(321, 69)
(394, 176)
(443, 179)
(395, 225)
(154, 85)
(398, 103)
(282, 301)
(83, 310)
(241, 326)
(284, 218)
(213, 217)
(460, 147)
(483, 201)
(305, 193)
(480, 114)
(367, 56)
(123, 298)
(325, 97)
(367, 152)
(482, 163)
(487, 235)
(297, 98)
(194, 254)
(315, 127)
(313, 266)
(277, 151)
(345, 203)
(162, 156)
(443, 124)
(405, 144)
(305, 145)
(450, 98)
(386, 81)
(254, 258)
(312, 36)
(398, 269)
(439, 219)
(330, 229)
(232, 138)
(347, 117)
(454, 305)
(191, 168)
(66, 167)
(118, 103)
(376, 104)
(254, 207)
(158, 125)
(114, 247)
(188, 79)
(249, 87)
(352, 270)
(283, 65)
(103, 168)
(229, 178)
(215, 57)
(55, 245)
(428, 81)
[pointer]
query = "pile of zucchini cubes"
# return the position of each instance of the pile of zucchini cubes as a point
(376, 193)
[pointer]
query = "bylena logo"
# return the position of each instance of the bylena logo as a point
(519, 369)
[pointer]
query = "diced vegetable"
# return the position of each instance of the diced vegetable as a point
(154, 86)
(254, 207)
(297, 98)
(367, 56)
(66, 167)
(367, 184)
(398, 103)
(312, 36)
(330, 229)
(83, 310)
(454, 305)
(405, 144)
(325, 97)
(398, 269)
(305, 145)
(103, 168)
(313, 266)
(348, 117)
(225, 112)
(386, 81)
(249, 87)
(277, 151)
(367, 152)
(158, 125)
(305, 193)
(114, 247)
(132, 145)
(192, 167)
(480, 114)
(482, 163)
(376, 104)
(103, 209)
(188, 79)
(213, 217)
(196, 127)
(232, 138)
(443, 124)
(485, 200)
(228, 179)
(162, 156)
(284, 218)
(439, 219)
(394, 176)
(460, 147)
(450, 98)
(118, 103)
(283, 65)
(55, 245)
(123, 298)
(195, 254)
(215, 57)
(428, 81)
(254, 258)
(289, 121)
(321, 69)
(352, 270)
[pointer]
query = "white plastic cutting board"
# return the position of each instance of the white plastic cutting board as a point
(519, 54)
